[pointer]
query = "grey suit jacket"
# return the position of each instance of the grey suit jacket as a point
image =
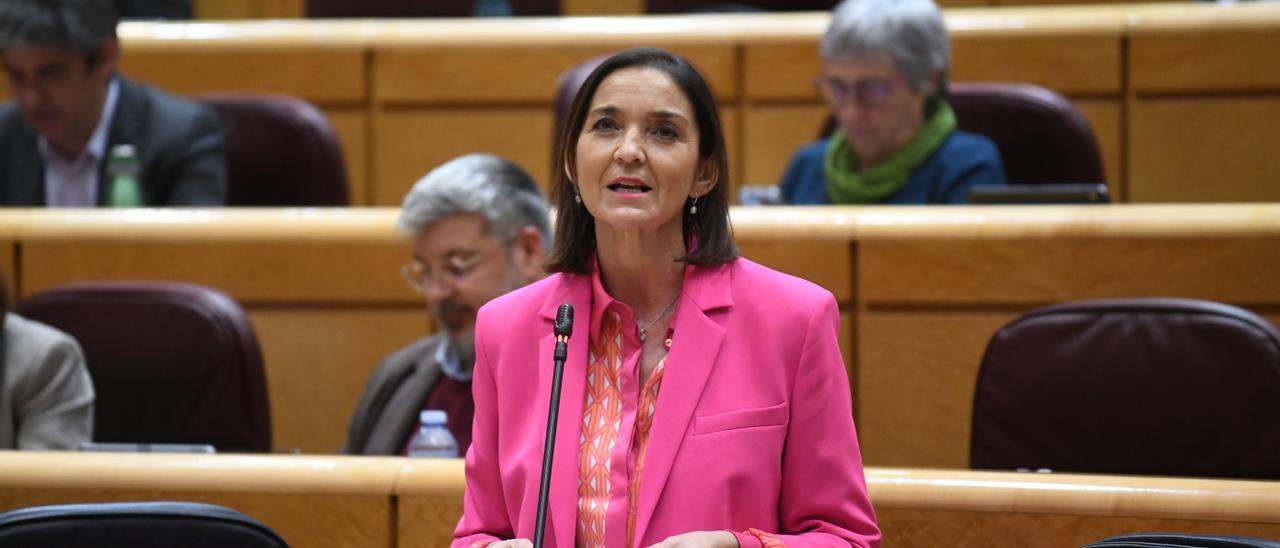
(46, 396)
(179, 143)
(388, 409)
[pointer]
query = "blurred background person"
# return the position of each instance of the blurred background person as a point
(46, 395)
(884, 67)
(705, 401)
(72, 109)
(479, 227)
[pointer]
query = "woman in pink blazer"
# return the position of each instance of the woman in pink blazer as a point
(704, 399)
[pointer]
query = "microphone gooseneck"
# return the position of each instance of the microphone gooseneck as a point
(563, 329)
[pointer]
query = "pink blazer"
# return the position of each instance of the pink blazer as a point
(753, 426)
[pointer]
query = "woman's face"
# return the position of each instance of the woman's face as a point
(871, 101)
(637, 156)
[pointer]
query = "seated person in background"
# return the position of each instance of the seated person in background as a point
(71, 110)
(884, 65)
(46, 396)
(480, 229)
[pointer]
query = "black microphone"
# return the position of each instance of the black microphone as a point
(563, 329)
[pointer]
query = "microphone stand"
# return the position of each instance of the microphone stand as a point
(563, 329)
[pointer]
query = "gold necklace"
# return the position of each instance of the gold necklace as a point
(660, 316)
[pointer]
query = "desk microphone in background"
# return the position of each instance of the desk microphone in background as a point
(563, 329)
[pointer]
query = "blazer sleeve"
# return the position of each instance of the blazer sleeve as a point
(54, 399)
(200, 173)
(824, 493)
(484, 516)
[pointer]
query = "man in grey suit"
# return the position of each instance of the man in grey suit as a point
(71, 110)
(480, 229)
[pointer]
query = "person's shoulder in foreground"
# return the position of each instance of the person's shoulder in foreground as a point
(47, 395)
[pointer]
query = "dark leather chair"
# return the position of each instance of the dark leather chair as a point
(1181, 540)
(1042, 137)
(281, 151)
(135, 525)
(1174, 387)
(419, 8)
(171, 362)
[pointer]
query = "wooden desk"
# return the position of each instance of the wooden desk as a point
(310, 501)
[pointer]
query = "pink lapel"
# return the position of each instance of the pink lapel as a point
(695, 344)
(562, 503)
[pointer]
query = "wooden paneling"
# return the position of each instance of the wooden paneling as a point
(464, 72)
(1107, 118)
(937, 354)
(1203, 60)
(352, 127)
(317, 363)
(774, 133)
(826, 263)
(411, 142)
(249, 9)
(1066, 63)
(781, 70)
(328, 75)
(1219, 149)
(601, 7)
(1034, 271)
(280, 272)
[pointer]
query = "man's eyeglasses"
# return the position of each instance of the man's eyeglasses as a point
(869, 92)
(455, 267)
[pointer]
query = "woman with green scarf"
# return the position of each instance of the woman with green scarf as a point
(883, 72)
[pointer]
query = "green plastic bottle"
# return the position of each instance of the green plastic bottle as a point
(122, 169)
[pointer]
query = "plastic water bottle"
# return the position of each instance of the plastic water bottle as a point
(433, 440)
(122, 169)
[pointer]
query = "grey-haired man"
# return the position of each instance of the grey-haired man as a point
(480, 228)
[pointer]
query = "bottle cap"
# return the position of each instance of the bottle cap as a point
(433, 416)
(123, 151)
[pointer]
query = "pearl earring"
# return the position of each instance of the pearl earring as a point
(693, 207)
(577, 199)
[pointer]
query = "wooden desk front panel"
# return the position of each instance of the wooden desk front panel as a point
(467, 71)
(250, 270)
(327, 75)
(311, 520)
(929, 307)
(318, 361)
(1204, 149)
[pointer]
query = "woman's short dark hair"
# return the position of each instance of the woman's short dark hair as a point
(708, 233)
(76, 26)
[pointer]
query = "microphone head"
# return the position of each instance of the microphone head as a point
(564, 320)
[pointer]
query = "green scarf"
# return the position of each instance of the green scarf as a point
(847, 186)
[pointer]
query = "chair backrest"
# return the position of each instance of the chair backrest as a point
(1181, 540)
(1042, 137)
(1131, 386)
(281, 151)
(170, 362)
(134, 524)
